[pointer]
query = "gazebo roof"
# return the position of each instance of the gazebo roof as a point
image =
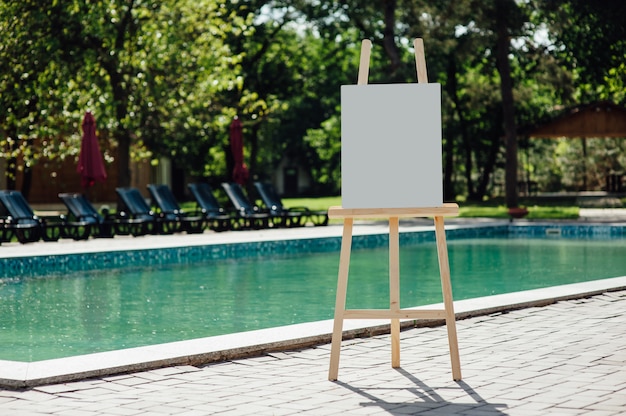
(598, 119)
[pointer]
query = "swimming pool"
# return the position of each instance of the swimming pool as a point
(62, 314)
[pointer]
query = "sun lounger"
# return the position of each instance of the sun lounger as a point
(168, 208)
(136, 217)
(281, 216)
(217, 218)
(19, 220)
(80, 209)
(247, 212)
(302, 215)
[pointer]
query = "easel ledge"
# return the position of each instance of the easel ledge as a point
(446, 210)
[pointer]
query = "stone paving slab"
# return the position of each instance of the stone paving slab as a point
(567, 358)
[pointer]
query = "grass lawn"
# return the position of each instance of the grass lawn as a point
(544, 207)
(534, 212)
(489, 209)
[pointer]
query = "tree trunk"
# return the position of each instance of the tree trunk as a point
(448, 185)
(453, 91)
(389, 41)
(449, 193)
(123, 135)
(508, 108)
(481, 188)
(11, 170)
(112, 65)
(123, 159)
(27, 182)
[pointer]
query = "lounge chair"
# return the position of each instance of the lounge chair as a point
(247, 212)
(281, 217)
(136, 217)
(303, 215)
(217, 218)
(168, 208)
(80, 209)
(19, 220)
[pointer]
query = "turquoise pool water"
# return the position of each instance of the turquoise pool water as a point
(58, 316)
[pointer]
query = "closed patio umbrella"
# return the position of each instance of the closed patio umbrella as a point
(240, 171)
(90, 165)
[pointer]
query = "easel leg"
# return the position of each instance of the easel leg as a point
(340, 302)
(446, 288)
(394, 289)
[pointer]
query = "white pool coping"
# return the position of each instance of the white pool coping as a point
(152, 242)
(15, 375)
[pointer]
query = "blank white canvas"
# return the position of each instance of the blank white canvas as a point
(391, 146)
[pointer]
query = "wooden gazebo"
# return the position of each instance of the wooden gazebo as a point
(595, 120)
(599, 119)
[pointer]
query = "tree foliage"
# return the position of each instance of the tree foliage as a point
(152, 72)
(166, 78)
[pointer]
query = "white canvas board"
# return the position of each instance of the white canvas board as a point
(391, 146)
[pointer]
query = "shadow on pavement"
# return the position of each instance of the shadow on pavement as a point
(426, 398)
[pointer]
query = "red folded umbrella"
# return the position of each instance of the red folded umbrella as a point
(240, 172)
(90, 165)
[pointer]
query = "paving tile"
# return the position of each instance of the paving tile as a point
(191, 413)
(123, 411)
(59, 388)
(211, 408)
(35, 396)
(99, 408)
(75, 412)
(142, 404)
(6, 400)
(130, 381)
(162, 410)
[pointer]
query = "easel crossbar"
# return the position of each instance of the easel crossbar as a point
(391, 314)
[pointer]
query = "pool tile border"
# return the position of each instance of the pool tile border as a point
(61, 264)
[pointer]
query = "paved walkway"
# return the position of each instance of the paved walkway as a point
(602, 214)
(568, 358)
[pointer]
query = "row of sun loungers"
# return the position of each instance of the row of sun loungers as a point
(136, 217)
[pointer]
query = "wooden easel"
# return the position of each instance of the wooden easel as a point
(393, 215)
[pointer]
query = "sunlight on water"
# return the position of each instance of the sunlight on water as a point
(52, 317)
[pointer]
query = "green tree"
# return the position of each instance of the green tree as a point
(590, 39)
(294, 71)
(152, 72)
(31, 93)
(585, 42)
(507, 21)
(451, 58)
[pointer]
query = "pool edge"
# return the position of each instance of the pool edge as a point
(202, 351)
